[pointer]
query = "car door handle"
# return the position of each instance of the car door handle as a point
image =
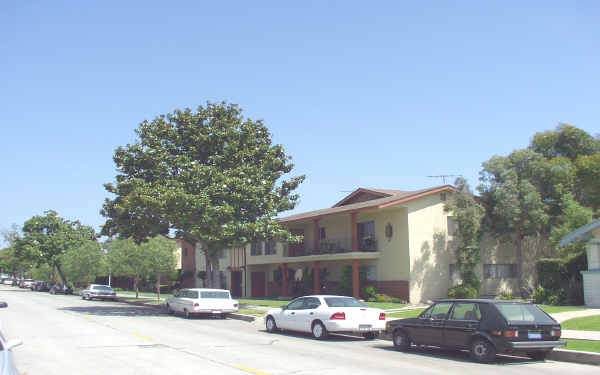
(292, 313)
(312, 313)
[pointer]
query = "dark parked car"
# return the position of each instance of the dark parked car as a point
(61, 289)
(40, 286)
(484, 327)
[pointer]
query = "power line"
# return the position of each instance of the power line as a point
(443, 176)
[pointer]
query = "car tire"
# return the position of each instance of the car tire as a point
(401, 340)
(539, 356)
(482, 351)
(370, 335)
(169, 310)
(319, 331)
(270, 325)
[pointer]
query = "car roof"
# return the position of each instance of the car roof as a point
(207, 290)
(482, 300)
(324, 296)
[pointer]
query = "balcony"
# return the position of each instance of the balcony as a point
(330, 246)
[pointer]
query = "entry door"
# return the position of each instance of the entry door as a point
(296, 249)
(258, 281)
(236, 283)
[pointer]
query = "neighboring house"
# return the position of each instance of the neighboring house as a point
(402, 239)
(591, 278)
(186, 262)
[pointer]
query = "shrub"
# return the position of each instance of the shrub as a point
(369, 292)
(382, 298)
(462, 291)
(505, 296)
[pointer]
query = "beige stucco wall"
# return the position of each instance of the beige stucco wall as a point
(430, 256)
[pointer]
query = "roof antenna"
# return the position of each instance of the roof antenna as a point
(443, 176)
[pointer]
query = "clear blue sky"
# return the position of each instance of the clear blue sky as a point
(361, 94)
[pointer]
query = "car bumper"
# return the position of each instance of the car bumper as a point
(345, 326)
(215, 311)
(535, 345)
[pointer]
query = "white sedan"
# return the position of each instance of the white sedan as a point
(202, 301)
(323, 314)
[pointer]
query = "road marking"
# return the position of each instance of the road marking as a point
(255, 372)
(88, 319)
(143, 337)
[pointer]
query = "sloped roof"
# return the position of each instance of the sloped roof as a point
(389, 198)
(580, 234)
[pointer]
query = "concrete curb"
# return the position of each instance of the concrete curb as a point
(244, 317)
(564, 355)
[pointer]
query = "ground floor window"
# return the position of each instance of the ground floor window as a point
(499, 271)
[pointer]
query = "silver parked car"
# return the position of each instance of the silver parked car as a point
(98, 291)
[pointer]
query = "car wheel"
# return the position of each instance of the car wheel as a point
(271, 325)
(400, 340)
(319, 331)
(169, 310)
(482, 351)
(223, 316)
(369, 335)
(186, 313)
(539, 356)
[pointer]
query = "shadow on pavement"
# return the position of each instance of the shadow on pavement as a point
(456, 355)
(112, 310)
(331, 338)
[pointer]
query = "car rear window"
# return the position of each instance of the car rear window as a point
(102, 287)
(224, 295)
(343, 302)
(514, 312)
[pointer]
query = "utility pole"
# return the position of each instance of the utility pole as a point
(443, 176)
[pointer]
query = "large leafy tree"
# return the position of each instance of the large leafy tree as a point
(125, 258)
(162, 252)
(212, 175)
(467, 213)
(84, 263)
(46, 238)
(9, 259)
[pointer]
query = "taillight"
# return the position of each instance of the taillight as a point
(555, 332)
(338, 316)
(196, 304)
(511, 334)
(382, 316)
(235, 305)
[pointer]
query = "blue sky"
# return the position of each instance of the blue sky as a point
(361, 94)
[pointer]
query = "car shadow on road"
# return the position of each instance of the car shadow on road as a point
(332, 337)
(111, 310)
(456, 355)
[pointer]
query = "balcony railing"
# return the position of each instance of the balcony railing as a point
(330, 246)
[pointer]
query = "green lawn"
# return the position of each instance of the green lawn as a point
(145, 294)
(252, 312)
(386, 305)
(558, 309)
(405, 314)
(583, 345)
(589, 323)
(263, 302)
(145, 301)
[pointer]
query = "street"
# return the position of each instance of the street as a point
(67, 335)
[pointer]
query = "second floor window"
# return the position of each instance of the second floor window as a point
(366, 236)
(256, 248)
(270, 248)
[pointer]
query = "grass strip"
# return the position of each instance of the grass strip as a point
(588, 323)
(583, 345)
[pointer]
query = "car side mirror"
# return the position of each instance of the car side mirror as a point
(284, 307)
(13, 343)
(3, 304)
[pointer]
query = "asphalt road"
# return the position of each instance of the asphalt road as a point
(66, 335)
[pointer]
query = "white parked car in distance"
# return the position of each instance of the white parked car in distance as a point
(323, 314)
(202, 301)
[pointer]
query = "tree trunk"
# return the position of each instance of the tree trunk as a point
(158, 285)
(519, 257)
(135, 286)
(212, 271)
(60, 272)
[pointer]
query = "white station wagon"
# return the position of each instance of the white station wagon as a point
(202, 301)
(323, 314)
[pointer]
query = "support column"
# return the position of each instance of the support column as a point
(316, 278)
(354, 231)
(355, 286)
(284, 275)
(316, 235)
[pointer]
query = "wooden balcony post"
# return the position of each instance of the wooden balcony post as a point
(355, 281)
(317, 281)
(284, 274)
(316, 235)
(354, 231)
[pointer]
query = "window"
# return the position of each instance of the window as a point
(322, 233)
(454, 273)
(311, 303)
(223, 254)
(270, 248)
(215, 294)
(296, 304)
(437, 311)
(466, 311)
(184, 251)
(451, 225)
(366, 236)
(343, 302)
(256, 249)
(520, 312)
(499, 271)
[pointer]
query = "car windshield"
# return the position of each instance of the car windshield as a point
(514, 312)
(343, 302)
(102, 287)
(224, 295)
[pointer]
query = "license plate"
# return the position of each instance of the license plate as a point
(216, 311)
(534, 335)
(364, 327)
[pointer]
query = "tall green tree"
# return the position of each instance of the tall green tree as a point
(514, 207)
(126, 258)
(468, 214)
(10, 261)
(46, 238)
(84, 263)
(162, 252)
(212, 175)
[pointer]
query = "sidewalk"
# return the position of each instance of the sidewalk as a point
(577, 335)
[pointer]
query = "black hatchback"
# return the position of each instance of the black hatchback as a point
(484, 327)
